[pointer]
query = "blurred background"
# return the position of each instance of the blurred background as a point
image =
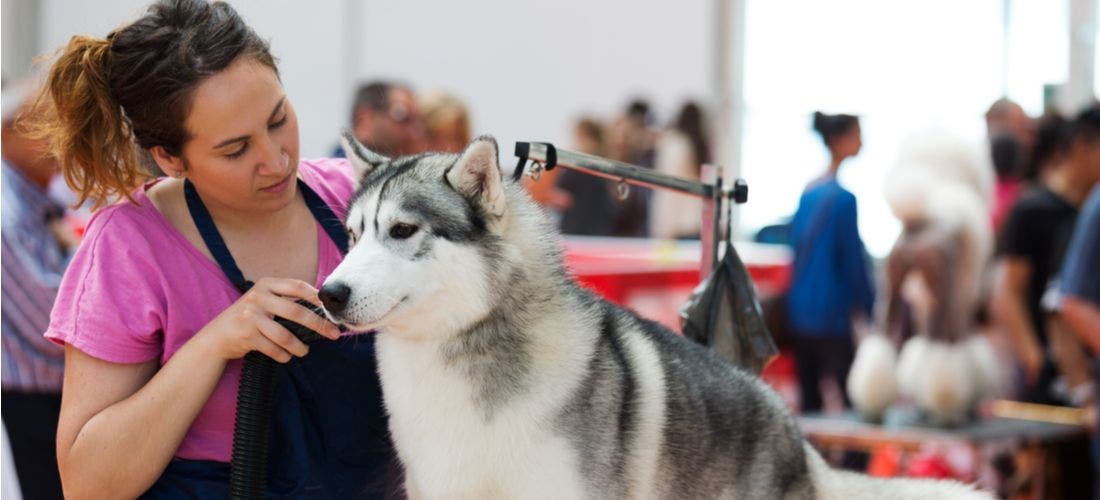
(528, 70)
(969, 132)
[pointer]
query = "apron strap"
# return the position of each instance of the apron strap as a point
(220, 251)
(325, 217)
(213, 239)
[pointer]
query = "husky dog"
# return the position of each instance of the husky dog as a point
(939, 190)
(504, 379)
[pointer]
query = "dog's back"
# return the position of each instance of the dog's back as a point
(721, 431)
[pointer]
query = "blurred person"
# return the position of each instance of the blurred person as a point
(592, 208)
(446, 121)
(1011, 136)
(1005, 151)
(1006, 117)
(1079, 309)
(386, 117)
(173, 285)
(37, 246)
(1079, 304)
(1080, 287)
(1032, 245)
(831, 287)
(682, 150)
(632, 139)
(1074, 300)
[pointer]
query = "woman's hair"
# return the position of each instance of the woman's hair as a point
(832, 126)
(374, 94)
(441, 110)
(594, 130)
(1052, 139)
(105, 98)
(691, 123)
(1086, 125)
(1005, 151)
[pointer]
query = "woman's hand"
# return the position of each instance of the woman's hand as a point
(249, 324)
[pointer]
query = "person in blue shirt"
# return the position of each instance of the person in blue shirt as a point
(1080, 287)
(1078, 300)
(37, 246)
(830, 282)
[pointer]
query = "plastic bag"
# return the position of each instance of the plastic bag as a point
(724, 314)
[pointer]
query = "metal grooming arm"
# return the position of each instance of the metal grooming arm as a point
(544, 157)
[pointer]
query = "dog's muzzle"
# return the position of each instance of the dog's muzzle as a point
(335, 297)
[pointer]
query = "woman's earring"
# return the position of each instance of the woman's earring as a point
(178, 174)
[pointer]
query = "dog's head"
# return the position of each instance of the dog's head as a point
(426, 241)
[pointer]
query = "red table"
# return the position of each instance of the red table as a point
(655, 278)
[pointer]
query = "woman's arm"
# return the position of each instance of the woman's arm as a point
(1083, 318)
(1008, 306)
(121, 424)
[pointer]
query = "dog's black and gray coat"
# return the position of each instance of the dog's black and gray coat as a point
(504, 379)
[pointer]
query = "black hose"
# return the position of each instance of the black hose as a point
(255, 402)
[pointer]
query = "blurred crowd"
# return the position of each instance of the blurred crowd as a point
(1037, 291)
(590, 206)
(392, 119)
(999, 247)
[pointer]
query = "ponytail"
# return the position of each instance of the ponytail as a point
(106, 100)
(87, 130)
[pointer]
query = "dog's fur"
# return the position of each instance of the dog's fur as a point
(504, 379)
(939, 189)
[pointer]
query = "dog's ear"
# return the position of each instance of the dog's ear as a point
(363, 159)
(477, 175)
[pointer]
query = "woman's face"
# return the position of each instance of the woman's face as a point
(849, 143)
(243, 152)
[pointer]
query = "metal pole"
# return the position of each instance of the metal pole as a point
(545, 154)
(715, 195)
(540, 152)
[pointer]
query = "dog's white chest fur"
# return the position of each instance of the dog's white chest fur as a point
(451, 448)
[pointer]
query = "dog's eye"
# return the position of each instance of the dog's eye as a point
(401, 231)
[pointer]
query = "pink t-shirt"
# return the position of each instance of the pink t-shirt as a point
(137, 289)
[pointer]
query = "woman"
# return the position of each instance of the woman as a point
(151, 312)
(682, 150)
(446, 121)
(586, 202)
(830, 283)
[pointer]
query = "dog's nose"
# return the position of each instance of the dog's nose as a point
(334, 296)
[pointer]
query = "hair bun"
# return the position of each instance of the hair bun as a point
(819, 121)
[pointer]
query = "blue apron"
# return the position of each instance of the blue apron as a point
(329, 434)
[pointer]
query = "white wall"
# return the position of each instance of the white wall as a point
(307, 37)
(901, 68)
(19, 34)
(528, 69)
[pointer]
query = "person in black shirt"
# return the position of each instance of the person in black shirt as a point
(1033, 241)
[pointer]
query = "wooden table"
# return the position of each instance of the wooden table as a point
(902, 429)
